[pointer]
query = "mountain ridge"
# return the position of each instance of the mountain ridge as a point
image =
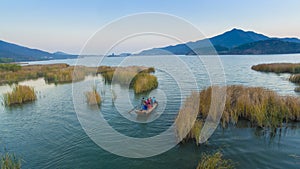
(222, 43)
(19, 53)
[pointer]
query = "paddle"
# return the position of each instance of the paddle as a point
(133, 109)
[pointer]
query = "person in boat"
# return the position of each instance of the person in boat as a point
(142, 101)
(145, 106)
(149, 103)
(153, 100)
(150, 100)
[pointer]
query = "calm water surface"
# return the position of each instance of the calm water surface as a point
(47, 133)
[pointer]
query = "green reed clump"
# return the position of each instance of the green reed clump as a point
(10, 67)
(278, 67)
(264, 108)
(93, 97)
(9, 161)
(194, 134)
(20, 94)
(214, 161)
(144, 82)
(295, 78)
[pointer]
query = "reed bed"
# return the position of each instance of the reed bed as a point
(20, 94)
(10, 161)
(214, 161)
(260, 106)
(63, 73)
(93, 97)
(278, 67)
(295, 78)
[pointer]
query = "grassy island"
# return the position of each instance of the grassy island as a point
(278, 67)
(19, 95)
(260, 106)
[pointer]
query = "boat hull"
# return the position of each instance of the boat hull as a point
(146, 112)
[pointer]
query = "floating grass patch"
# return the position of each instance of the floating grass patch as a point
(10, 161)
(20, 94)
(214, 161)
(278, 67)
(93, 97)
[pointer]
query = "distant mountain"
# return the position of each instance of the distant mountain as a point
(236, 37)
(295, 40)
(60, 53)
(21, 53)
(270, 46)
(223, 44)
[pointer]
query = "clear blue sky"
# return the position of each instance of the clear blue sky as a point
(65, 25)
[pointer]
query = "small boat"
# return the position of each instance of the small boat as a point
(146, 112)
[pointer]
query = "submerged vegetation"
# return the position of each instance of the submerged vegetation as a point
(20, 94)
(261, 107)
(214, 161)
(9, 161)
(93, 97)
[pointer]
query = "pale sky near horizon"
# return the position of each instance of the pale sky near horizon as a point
(66, 25)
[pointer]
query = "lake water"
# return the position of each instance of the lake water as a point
(47, 133)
